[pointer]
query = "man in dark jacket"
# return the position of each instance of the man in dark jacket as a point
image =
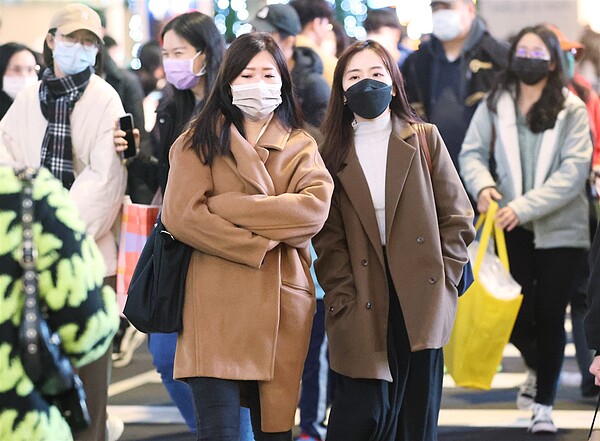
(449, 74)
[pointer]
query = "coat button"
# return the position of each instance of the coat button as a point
(368, 305)
(331, 309)
(432, 280)
(420, 239)
(364, 262)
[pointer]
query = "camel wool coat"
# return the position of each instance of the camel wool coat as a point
(429, 224)
(248, 310)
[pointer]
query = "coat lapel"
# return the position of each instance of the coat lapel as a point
(251, 164)
(400, 156)
(352, 178)
(355, 185)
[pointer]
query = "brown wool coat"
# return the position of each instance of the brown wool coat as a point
(428, 228)
(248, 312)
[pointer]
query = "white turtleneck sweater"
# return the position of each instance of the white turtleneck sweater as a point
(371, 140)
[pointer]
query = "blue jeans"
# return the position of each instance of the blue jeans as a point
(217, 406)
(162, 348)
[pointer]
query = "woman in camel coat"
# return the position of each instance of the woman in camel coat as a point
(247, 190)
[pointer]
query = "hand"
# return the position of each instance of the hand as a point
(486, 196)
(595, 369)
(119, 138)
(507, 219)
(597, 185)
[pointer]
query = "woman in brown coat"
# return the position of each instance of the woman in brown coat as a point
(247, 189)
(390, 255)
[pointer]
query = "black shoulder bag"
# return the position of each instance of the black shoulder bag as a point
(155, 296)
(41, 355)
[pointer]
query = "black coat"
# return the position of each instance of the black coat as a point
(311, 88)
(174, 111)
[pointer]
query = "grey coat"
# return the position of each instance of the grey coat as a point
(557, 206)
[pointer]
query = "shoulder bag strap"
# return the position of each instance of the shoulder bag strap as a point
(594, 419)
(422, 136)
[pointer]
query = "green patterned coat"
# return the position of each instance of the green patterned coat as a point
(71, 271)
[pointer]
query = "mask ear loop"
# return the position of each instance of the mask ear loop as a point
(202, 69)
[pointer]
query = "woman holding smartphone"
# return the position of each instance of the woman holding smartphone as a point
(65, 123)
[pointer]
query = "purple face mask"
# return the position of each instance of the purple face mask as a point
(180, 72)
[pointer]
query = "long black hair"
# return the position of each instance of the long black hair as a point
(337, 126)
(6, 53)
(211, 128)
(198, 30)
(542, 115)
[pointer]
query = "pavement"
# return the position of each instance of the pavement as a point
(137, 396)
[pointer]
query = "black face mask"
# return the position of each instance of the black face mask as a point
(369, 98)
(530, 71)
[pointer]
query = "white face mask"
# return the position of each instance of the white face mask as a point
(446, 24)
(256, 100)
(13, 85)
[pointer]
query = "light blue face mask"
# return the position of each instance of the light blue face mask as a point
(74, 58)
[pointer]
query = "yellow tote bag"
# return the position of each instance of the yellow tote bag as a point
(484, 319)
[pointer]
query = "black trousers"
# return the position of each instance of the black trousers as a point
(546, 277)
(404, 410)
(217, 404)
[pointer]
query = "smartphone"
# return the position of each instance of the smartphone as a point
(126, 124)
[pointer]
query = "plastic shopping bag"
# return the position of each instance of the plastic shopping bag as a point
(486, 313)
(136, 225)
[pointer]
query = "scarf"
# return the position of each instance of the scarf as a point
(57, 99)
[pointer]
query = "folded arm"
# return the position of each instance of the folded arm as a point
(293, 217)
(186, 214)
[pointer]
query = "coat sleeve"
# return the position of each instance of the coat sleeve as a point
(333, 266)
(11, 152)
(98, 190)
(186, 215)
(293, 217)
(454, 210)
(475, 153)
(567, 182)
